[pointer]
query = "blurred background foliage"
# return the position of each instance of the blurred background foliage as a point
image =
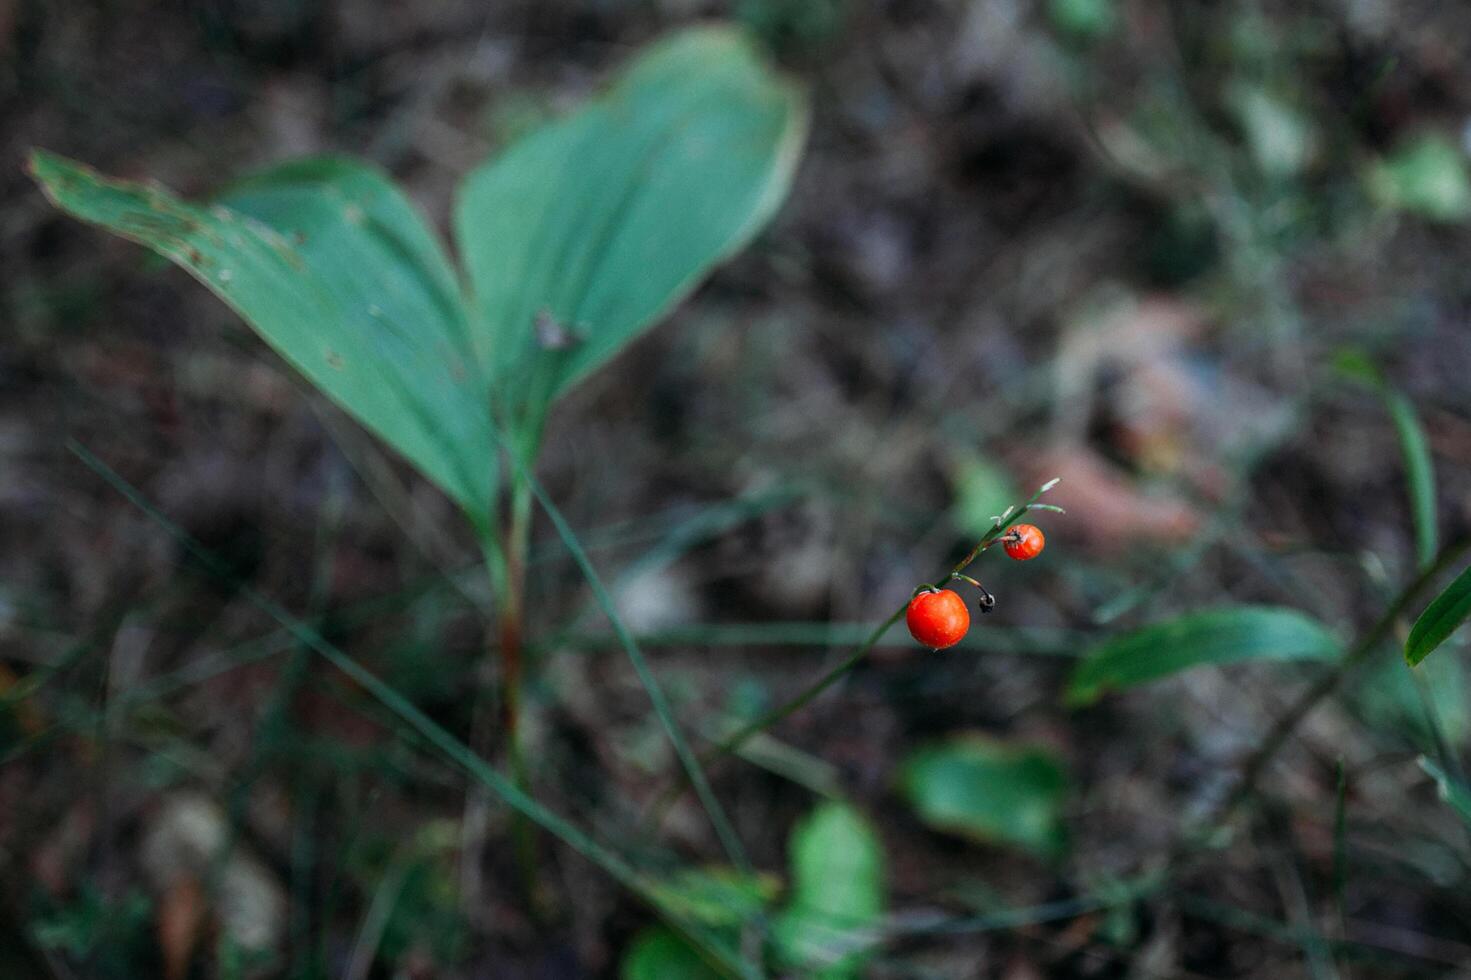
(1206, 262)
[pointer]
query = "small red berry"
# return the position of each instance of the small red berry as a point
(938, 619)
(1024, 541)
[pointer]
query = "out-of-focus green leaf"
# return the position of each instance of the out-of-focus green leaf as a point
(1281, 137)
(1427, 177)
(837, 894)
(716, 896)
(1355, 363)
(584, 233)
(801, 29)
(1440, 619)
(1221, 636)
(989, 791)
(1455, 793)
(332, 266)
(659, 953)
(1414, 704)
(1082, 18)
(982, 490)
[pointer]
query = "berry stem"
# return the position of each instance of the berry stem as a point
(732, 743)
(827, 680)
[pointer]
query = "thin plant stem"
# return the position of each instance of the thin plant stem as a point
(733, 742)
(513, 670)
(998, 529)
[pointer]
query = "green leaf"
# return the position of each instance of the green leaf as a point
(982, 490)
(988, 791)
(1426, 176)
(1440, 619)
(332, 266)
(1281, 137)
(837, 898)
(659, 953)
(1082, 18)
(1422, 706)
(1220, 636)
(583, 234)
(1456, 794)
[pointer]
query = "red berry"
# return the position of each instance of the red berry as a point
(938, 619)
(1024, 541)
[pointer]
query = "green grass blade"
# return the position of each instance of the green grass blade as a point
(1419, 474)
(1440, 619)
(687, 759)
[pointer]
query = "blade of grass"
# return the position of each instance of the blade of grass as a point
(1419, 468)
(705, 525)
(437, 736)
(1419, 473)
(691, 765)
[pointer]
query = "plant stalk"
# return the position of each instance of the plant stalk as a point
(733, 742)
(513, 669)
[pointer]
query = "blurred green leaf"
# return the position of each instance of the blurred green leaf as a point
(112, 932)
(332, 266)
(659, 953)
(982, 490)
(800, 29)
(1281, 137)
(1391, 701)
(1355, 363)
(1455, 793)
(583, 234)
(1082, 18)
(837, 895)
(1440, 619)
(989, 791)
(1427, 177)
(1220, 636)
